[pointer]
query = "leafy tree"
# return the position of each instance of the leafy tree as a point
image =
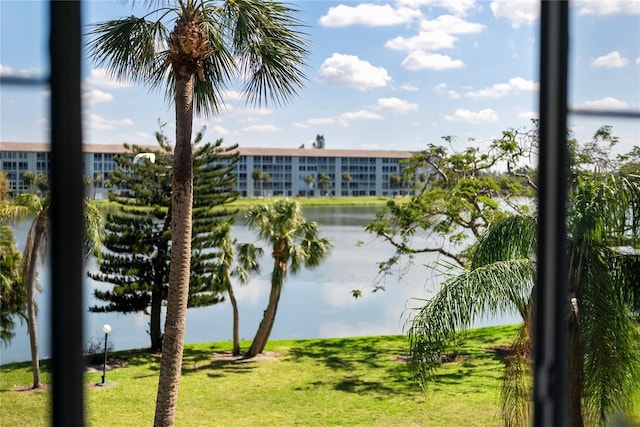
(603, 299)
(324, 181)
(4, 187)
(13, 298)
(241, 267)
(458, 199)
(212, 43)
(295, 243)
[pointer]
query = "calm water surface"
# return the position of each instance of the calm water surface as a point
(314, 304)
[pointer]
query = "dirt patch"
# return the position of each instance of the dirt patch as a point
(227, 356)
(22, 388)
(501, 350)
(111, 364)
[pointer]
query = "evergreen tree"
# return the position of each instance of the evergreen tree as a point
(138, 237)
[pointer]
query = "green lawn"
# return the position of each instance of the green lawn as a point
(319, 382)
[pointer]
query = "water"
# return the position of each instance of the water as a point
(315, 303)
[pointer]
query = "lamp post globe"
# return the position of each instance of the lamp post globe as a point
(106, 329)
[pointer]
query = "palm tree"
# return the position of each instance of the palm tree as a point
(346, 177)
(35, 249)
(603, 301)
(295, 243)
(324, 181)
(245, 264)
(309, 179)
(258, 176)
(211, 44)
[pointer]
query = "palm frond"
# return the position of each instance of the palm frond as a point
(497, 288)
(609, 339)
(128, 48)
(270, 48)
(512, 237)
(515, 395)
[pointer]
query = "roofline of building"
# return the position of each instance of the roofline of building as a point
(39, 147)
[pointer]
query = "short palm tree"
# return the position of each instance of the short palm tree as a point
(241, 266)
(35, 249)
(603, 301)
(295, 243)
(211, 44)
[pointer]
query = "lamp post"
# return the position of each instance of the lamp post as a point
(106, 329)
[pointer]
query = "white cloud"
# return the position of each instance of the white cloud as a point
(96, 96)
(451, 25)
(6, 71)
(442, 88)
(607, 103)
(99, 77)
(638, 61)
(367, 14)
(395, 105)
(349, 70)
(517, 12)
(500, 90)
(610, 60)
(315, 122)
(219, 131)
(136, 138)
(97, 122)
(261, 128)
(473, 117)
(360, 115)
(433, 40)
(610, 7)
(528, 115)
(420, 60)
(408, 87)
(458, 7)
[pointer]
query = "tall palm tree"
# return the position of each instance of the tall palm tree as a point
(295, 243)
(603, 301)
(241, 267)
(211, 44)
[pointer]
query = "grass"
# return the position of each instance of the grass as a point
(244, 202)
(320, 382)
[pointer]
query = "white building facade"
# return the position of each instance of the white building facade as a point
(287, 172)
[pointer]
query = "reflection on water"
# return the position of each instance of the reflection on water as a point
(314, 304)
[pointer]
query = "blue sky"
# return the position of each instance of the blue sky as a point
(392, 75)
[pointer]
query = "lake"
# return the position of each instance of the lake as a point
(315, 303)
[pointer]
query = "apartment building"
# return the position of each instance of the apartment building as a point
(285, 172)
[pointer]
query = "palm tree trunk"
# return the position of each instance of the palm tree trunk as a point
(266, 325)
(31, 303)
(157, 293)
(181, 207)
(575, 381)
(155, 331)
(236, 317)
